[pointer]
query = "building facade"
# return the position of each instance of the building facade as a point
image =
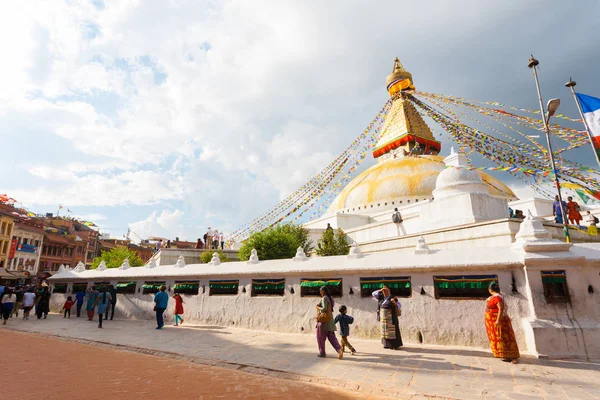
(29, 238)
(7, 222)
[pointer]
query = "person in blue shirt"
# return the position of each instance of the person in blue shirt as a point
(344, 320)
(80, 297)
(557, 211)
(161, 301)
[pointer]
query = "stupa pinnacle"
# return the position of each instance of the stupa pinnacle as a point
(404, 131)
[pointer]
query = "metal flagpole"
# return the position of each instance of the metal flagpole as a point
(532, 64)
(571, 84)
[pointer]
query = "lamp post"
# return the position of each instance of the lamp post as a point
(551, 107)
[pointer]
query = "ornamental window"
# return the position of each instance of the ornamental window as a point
(268, 287)
(151, 287)
(463, 287)
(228, 287)
(60, 288)
(555, 287)
(186, 287)
(310, 287)
(126, 287)
(399, 286)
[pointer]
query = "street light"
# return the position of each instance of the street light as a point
(551, 108)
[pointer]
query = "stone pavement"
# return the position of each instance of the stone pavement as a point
(416, 372)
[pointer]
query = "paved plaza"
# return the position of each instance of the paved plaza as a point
(416, 372)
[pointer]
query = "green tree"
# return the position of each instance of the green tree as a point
(278, 242)
(206, 256)
(331, 244)
(115, 257)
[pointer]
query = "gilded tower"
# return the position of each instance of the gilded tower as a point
(404, 131)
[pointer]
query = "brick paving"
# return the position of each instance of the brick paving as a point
(416, 372)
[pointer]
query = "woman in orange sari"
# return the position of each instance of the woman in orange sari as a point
(499, 328)
(573, 211)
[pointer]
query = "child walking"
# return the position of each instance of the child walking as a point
(178, 309)
(344, 320)
(67, 307)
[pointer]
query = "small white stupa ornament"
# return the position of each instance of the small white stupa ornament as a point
(253, 257)
(125, 264)
(151, 263)
(101, 266)
(180, 262)
(532, 230)
(80, 267)
(215, 260)
(61, 268)
(422, 247)
(354, 251)
(300, 255)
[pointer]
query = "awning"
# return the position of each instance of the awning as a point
(4, 274)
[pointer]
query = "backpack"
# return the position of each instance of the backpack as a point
(396, 218)
(596, 220)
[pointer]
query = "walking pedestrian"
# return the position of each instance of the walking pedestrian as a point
(91, 296)
(325, 324)
(592, 222)
(8, 302)
(345, 320)
(19, 293)
(178, 309)
(499, 328)
(222, 240)
(161, 301)
(67, 307)
(80, 297)
(397, 219)
(28, 302)
(102, 301)
(113, 301)
(215, 243)
(43, 303)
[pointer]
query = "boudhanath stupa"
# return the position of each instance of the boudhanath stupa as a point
(456, 238)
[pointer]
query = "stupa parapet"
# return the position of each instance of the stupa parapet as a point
(101, 266)
(354, 251)
(215, 260)
(422, 247)
(533, 237)
(80, 267)
(253, 257)
(125, 264)
(300, 255)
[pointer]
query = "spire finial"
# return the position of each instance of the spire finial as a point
(397, 65)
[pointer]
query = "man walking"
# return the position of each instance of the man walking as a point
(397, 219)
(557, 210)
(161, 301)
(80, 297)
(113, 302)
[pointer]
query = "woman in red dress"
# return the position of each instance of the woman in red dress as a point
(573, 211)
(499, 328)
(178, 309)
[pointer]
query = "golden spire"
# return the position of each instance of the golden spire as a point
(403, 129)
(399, 80)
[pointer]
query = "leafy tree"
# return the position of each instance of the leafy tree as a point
(278, 242)
(115, 257)
(332, 244)
(206, 256)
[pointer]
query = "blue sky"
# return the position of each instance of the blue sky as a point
(167, 117)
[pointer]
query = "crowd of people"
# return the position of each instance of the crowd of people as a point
(389, 310)
(212, 239)
(497, 324)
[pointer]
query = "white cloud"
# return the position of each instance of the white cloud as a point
(166, 224)
(225, 107)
